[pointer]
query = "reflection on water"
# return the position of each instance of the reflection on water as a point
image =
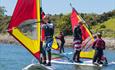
(13, 57)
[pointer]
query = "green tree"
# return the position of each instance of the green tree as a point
(4, 20)
(2, 11)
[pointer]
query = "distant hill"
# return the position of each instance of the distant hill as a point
(107, 28)
(110, 24)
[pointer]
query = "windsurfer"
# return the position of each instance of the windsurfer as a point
(61, 38)
(49, 31)
(77, 42)
(99, 46)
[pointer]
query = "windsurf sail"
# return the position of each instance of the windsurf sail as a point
(25, 25)
(86, 35)
(26, 11)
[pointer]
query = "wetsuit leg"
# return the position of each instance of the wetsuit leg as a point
(62, 46)
(49, 55)
(95, 56)
(100, 54)
(74, 56)
(44, 55)
(48, 46)
(78, 55)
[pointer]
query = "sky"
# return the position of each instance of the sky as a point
(63, 6)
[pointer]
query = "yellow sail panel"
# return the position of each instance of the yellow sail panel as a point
(79, 18)
(89, 54)
(54, 45)
(31, 45)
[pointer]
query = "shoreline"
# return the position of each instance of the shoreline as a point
(8, 39)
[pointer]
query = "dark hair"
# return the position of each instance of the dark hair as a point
(99, 34)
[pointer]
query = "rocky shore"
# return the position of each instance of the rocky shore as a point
(8, 39)
(110, 42)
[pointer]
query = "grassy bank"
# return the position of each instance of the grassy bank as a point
(107, 28)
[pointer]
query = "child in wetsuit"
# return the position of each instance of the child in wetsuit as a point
(99, 46)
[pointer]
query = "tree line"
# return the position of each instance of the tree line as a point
(62, 21)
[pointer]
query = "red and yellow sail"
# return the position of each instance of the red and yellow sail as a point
(75, 19)
(26, 10)
(20, 26)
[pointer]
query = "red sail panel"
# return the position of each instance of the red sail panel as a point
(43, 35)
(85, 33)
(42, 30)
(24, 10)
(75, 19)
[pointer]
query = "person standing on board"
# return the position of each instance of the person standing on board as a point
(42, 50)
(61, 38)
(49, 32)
(77, 42)
(99, 46)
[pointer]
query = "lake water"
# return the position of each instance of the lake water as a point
(13, 57)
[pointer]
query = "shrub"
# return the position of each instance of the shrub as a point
(102, 26)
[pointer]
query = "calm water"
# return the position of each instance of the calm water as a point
(13, 57)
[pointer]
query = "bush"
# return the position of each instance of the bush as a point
(102, 26)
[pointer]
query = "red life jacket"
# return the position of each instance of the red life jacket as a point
(100, 44)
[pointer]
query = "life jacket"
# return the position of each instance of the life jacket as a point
(49, 30)
(100, 44)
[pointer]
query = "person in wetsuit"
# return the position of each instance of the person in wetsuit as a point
(99, 46)
(61, 38)
(77, 42)
(49, 32)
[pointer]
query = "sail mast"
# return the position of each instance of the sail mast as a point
(38, 24)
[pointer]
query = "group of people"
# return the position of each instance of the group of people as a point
(98, 45)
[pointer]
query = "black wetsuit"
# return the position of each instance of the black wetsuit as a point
(77, 41)
(49, 31)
